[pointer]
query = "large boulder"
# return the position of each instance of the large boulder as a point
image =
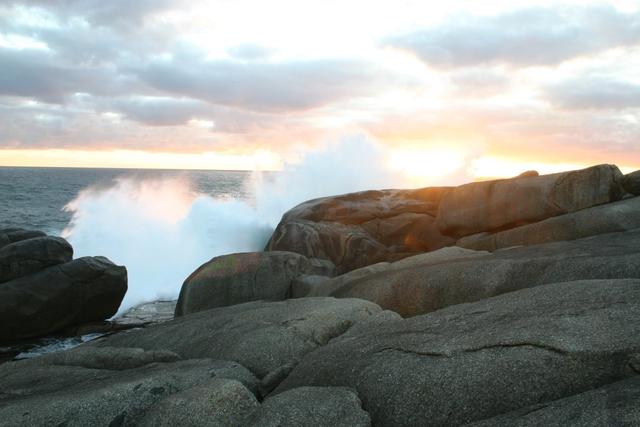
(32, 255)
(619, 216)
(237, 278)
(312, 407)
(80, 291)
(422, 289)
(507, 203)
(313, 285)
(358, 229)
(84, 391)
(12, 235)
(474, 361)
(616, 404)
(263, 336)
(631, 183)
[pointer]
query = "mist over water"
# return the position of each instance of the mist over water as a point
(162, 229)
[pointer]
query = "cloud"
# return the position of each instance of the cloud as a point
(159, 111)
(121, 14)
(38, 74)
(260, 85)
(479, 81)
(526, 37)
(595, 93)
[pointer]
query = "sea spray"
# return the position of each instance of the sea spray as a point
(161, 229)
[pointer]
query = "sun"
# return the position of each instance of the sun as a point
(427, 166)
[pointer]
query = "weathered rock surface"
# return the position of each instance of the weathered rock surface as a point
(631, 183)
(312, 407)
(616, 404)
(218, 402)
(262, 336)
(507, 203)
(422, 289)
(310, 285)
(619, 216)
(358, 229)
(475, 361)
(32, 255)
(12, 235)
(147, 314)
(238, 278)
(36, 393)
(80, 291)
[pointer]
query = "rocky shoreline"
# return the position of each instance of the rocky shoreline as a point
(512, 302)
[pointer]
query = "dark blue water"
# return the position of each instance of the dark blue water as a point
(35, 197)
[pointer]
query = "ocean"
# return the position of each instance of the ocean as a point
(35, 198)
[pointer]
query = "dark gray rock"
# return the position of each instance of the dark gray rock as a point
(422, 289)
(12, 235)
(34, 393)
(474, 361)
(312, 407)
(262, 336)
(358, 229)
(311, 286)
(218, 402)
(32, 255)
(502, 204)
(80, 291)
(616, 404)
(631, 183)
(612, 217)
(238, 278)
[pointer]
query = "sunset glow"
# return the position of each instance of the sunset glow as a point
(459, 88)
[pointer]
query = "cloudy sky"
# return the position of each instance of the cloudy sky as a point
(239, 84)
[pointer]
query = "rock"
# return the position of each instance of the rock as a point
(312, 407)
(115, 359)
(262, 336)
(147, 314)
(13, 235)
(610, 405)
(79, 396)
(528, 174)
(32, 255)
(631, 183)
(238, 278)
(358, 229)
(307, 286)
(609, 218)
(422, 289)
(273, 379)
(80, 291)
(474, 361)
(508, 203)
(218, 402)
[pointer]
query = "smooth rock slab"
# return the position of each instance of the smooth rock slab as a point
(243, 277)
(502, 204)
(616, 404)
(263, 336)
(474, 361)
(312, 407)
(631, 183)
(218, 402)
(34, 394)
(32, 255)
(422, 289)
(80, 291)
(612, 217)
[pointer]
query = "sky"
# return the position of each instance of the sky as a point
(503, 86)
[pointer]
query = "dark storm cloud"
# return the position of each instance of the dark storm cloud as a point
(522, 38)
(260, 85)
(595, 93)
